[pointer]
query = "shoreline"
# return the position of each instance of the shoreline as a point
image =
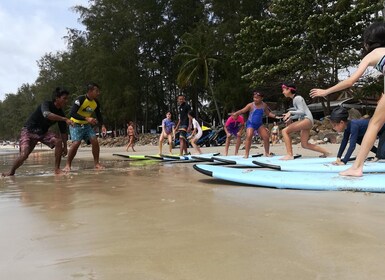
(106, 152)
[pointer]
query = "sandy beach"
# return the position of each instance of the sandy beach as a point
(148, 220)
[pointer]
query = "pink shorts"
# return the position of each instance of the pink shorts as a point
(29, 139)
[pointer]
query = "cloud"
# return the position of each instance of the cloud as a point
(30, 29)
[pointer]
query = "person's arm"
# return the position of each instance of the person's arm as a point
(366, 61)
(53, 117)
(300, 107)
(268, 112)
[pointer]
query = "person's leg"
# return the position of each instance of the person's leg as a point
(194, 144)
(133, 143)
(170, 143)
(305, 126)
(96, 152)
(26, 146)
(287, 140)
(380, 154)
(58, 154)
(264, 133)
(375, 124)
(71, 155)
(227, 144)
(237, 145)
(161, 138)
(249, 136)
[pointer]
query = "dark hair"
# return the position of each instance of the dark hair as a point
(291, 86)
(256, 92)
(339, 114)
(59, 92)
(192, 114)
(91, 86)
(374, 36)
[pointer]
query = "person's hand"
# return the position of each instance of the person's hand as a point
(69, 122)
(228, 134)
(286, 116)
(92, 121)
(317, 92)
(65, 151)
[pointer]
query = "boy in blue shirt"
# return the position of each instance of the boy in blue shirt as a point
(354, 131)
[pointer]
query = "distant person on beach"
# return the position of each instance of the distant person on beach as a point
(256, 110)
(82, 114)
(131, 135)
(168, 132)
(196, 133)
(104, 131)
(36, 130)
(354, 131)
(234, 126)
(374, 46)
(275, 134)
(303, 124)
(184, 124)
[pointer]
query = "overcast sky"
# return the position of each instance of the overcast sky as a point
(28, 30)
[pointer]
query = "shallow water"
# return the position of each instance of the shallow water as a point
(145, 220)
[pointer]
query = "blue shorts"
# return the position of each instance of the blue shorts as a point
(81, 132)
(255, 126)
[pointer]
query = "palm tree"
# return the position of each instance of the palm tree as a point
(197, 62)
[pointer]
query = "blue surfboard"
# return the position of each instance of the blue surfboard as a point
(240, 160)
(295, 180)
(309, 166)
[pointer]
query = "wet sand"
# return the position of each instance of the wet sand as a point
(146, 220)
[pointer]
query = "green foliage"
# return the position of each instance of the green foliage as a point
(143, 53)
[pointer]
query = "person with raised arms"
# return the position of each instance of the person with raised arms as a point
(374, 46)
(256, 109)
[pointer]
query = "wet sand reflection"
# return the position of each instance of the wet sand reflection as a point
(162, 221)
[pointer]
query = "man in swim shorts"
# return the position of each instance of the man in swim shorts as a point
(184, 124)
(36, 130)
(82, 114)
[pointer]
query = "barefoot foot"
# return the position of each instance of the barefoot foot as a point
(287, 157)
(98, 166)
(353, 172)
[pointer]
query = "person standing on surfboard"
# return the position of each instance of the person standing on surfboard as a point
(196, 133)
(82, 114)
(256, 110)
(374, 46)
(354, 131)
(168, 131)
(234, 127)
(304, 123)
(184, 124)
(36, 129)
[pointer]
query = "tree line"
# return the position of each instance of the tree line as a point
(144, 53)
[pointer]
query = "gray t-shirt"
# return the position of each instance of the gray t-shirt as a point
(301, 110)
